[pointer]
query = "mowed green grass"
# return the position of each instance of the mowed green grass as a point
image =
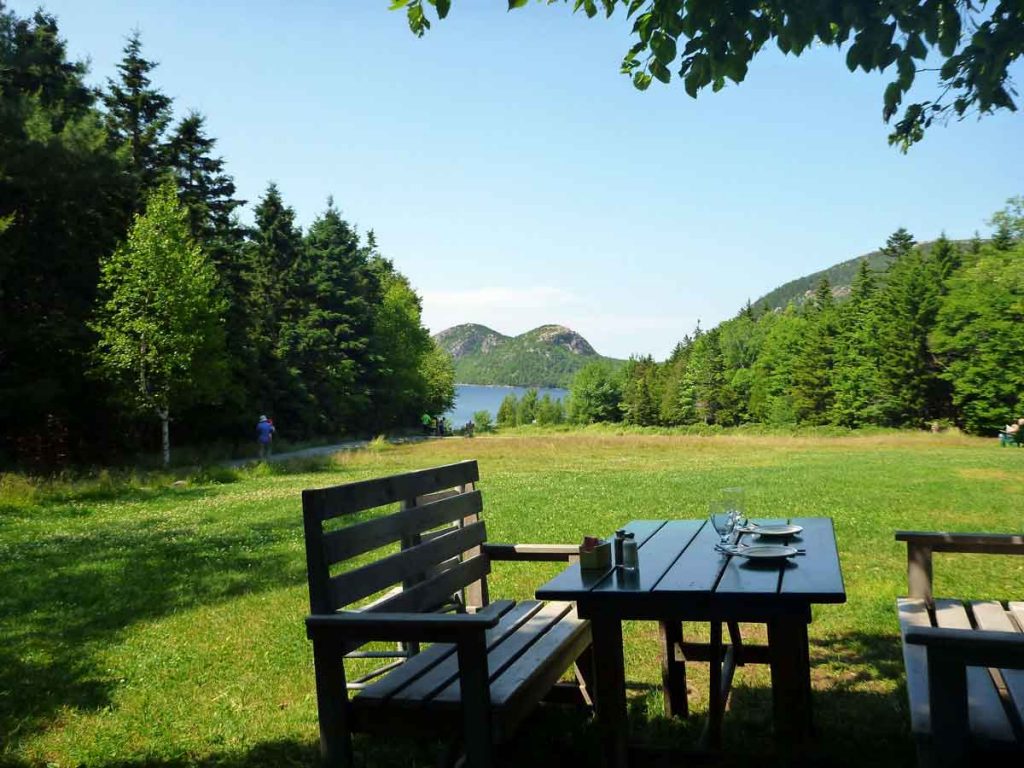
(162, 626)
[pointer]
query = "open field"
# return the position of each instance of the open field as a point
(146, 624)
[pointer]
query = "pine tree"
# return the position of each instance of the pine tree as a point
(979, 336)
(811, 389)
(206, 190)
(855, 378)
(328, 342)
(898, 244)
(907, 308)
(947, 258)
(137, 119)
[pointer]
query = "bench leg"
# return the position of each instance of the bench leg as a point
(673, 669)
(476, 702)
(332, 705)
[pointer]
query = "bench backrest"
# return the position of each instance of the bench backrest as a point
(438, 529)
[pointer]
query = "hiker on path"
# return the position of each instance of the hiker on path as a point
(428, 423)
(264, 436)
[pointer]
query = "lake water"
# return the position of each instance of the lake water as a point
(470, 398)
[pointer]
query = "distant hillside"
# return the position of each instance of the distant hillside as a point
(840, 277)
(547, 356)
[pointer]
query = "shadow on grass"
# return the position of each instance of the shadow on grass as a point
(68, 596)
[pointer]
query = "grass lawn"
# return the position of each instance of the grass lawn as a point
(150, 624)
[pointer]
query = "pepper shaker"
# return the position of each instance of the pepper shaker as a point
(617, 547)
(630, 553)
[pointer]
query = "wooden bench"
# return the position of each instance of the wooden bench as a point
(489, 662)
(964, 660)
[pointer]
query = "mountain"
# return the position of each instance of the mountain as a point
(547, 356)
(840, 277)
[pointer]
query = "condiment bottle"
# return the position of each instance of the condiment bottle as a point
(630, 553)
(617, 547)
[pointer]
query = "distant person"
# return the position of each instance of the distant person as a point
(265, 436)
(428, 423)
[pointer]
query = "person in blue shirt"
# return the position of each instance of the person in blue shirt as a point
(264, 435)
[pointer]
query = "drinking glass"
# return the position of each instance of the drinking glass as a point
(722, 519)
(734, 500)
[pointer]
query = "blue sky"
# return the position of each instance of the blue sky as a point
(518, 179)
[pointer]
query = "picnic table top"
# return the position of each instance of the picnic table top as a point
(681, 574)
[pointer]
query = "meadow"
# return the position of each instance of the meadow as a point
(156, 620)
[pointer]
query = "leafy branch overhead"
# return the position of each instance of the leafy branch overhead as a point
(973, 42)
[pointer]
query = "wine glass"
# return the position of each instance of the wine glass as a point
(734, 500)
(722, 519)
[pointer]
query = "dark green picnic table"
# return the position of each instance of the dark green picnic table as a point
(682, 577)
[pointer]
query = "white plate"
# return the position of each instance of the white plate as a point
(765, 551)
(774, 530)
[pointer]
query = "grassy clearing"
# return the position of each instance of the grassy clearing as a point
(157, 619)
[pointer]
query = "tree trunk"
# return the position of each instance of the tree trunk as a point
(165, 434)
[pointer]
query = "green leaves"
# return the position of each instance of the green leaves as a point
(722, 37)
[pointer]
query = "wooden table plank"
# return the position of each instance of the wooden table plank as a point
(816, 576)
(745, 578)
(698, 568)
(572, 583)
(656, 555)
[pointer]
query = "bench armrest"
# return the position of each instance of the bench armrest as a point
(980, 543)
(970, 647)
(532, 552)
(428, 627)
(921, 545)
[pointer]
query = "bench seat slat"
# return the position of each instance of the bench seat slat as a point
(347, 588)
(990, 615)
(423, 662)
(913, 612)
(988, 721)
(512, 648)
(425, 686)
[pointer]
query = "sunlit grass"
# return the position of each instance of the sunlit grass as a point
(156, 619)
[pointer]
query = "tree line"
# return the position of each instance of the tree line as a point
(936, 337)
(131, 291)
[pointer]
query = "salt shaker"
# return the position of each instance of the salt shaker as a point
(630, 553)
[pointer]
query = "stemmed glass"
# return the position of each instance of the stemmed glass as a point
(722, 519)
(735, 503)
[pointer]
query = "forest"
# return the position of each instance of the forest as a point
(936, 338)
(131, 294)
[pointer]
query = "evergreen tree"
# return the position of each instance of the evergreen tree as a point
(979, 337)
(527, 408)
(595, 394)
(508, 410)
(640, 392)
(137, 118)
(275, 286)
(328, 343)
(204, 187)
(899, 244)
(947, 258)
(62, 198)
(811, 390)
(158, 322)
(908, 304)
(855, 378)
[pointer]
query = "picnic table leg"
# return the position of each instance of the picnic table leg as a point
(716, 702)
(789, 656)
(673, 669)
(610, 684)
